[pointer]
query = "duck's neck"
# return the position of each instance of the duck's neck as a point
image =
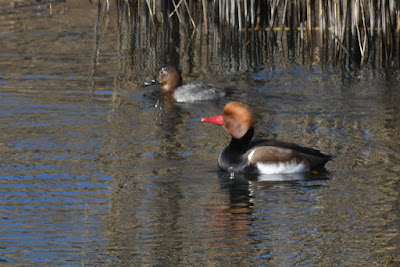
(171, 86)
(166, 88)
(231, 157)
(241, 145)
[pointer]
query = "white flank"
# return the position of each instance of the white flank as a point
(282, 167)
(279, 167)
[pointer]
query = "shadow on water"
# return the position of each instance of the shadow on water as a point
(96, 170)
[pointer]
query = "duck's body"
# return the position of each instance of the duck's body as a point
(171, 80)
(196, 91)
(264, 156)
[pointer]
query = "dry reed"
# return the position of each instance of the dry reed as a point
(355, 31)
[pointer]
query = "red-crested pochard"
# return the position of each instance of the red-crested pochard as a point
(264, 156)
(171, 80)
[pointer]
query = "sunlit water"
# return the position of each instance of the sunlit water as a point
(111, 179)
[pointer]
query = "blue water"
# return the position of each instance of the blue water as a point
(101, 176)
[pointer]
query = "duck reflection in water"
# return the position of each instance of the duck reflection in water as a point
(171, 99)
(236, 218)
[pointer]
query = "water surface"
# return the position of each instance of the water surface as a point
(92, 173)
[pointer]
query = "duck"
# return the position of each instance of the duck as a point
(264, 156)
(170, 78)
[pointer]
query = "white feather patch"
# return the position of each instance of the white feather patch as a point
(250, 155)
(279, 167)
(282, 167)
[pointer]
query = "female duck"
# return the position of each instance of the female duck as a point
(171, 80)
(260, 156)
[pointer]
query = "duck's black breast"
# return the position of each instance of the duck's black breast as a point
(233, 158)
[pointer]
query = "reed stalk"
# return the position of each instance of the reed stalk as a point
(357, 26)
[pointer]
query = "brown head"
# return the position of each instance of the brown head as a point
(170, 78)
(237, 119)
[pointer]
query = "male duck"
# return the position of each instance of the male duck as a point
(260, 156)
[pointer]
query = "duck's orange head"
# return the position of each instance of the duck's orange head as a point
(237, 119)
(170, 77)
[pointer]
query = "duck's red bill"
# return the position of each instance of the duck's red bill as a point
(215, 120)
